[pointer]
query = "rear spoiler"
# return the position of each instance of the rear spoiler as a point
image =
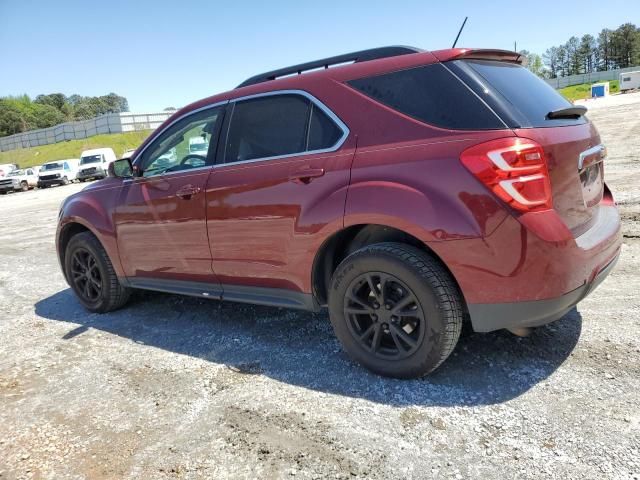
(479, 54)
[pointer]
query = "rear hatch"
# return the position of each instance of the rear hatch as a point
(570, 142)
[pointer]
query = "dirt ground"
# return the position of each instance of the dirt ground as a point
(175, 387)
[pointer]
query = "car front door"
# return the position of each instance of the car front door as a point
(277, 190)
(160, 219)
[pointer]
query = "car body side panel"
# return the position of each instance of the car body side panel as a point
(161, 234)
(265, 227)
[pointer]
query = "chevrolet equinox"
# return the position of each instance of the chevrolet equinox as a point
(408, 191)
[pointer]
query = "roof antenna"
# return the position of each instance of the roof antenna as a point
(459, 32)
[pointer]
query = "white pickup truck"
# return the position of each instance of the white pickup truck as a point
(19, 180)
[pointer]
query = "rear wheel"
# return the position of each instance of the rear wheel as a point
(24, 186)
(91, 275)
(396, 310)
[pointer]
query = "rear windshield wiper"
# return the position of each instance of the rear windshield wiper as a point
(574, 111)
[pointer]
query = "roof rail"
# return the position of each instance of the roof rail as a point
(361, 56)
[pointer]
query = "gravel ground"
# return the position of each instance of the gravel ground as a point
(176, 387)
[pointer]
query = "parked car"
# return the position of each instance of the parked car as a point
(59, 172)
(94, 163)
(6, 168)
(408, 191)
(19, 180)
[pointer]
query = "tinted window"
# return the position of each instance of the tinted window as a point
(431, 94)
(323, 132)
(528, 97)
(268, 127)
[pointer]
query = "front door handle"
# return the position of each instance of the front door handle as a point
(305, 175)
(187, 191)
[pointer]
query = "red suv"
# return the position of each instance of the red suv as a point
(407, 191)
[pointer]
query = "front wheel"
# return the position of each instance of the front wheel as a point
(65, 181)
(91, 275)
(396, 310)
(24, 186)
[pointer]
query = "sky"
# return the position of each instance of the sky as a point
(162, 53)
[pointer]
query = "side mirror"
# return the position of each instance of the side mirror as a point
(120, 168)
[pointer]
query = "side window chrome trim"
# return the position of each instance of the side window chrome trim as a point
(181, 117)
(316, 103)
(168, 174)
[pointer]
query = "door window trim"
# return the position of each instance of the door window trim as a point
(314, 101)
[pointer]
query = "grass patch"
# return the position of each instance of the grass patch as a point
(582, 91)
(29, 157)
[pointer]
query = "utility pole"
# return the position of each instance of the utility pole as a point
(515, 47)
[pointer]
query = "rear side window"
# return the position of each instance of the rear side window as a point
(430, 94)
(514, 92)
(268, 127)
(323, 132)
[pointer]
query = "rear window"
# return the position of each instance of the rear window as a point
(430, 94)
(515, 93)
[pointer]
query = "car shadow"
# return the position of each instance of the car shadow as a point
(299, 348)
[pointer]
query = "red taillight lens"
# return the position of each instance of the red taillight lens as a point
(515, 169)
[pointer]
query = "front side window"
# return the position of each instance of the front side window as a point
(173, 150)
(278, 125)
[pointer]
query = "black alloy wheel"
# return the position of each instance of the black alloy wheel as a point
(85, 275)
(384, 315)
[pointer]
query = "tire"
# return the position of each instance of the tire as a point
(65, 181)
(416, 287)
(105, 293)
(24, 186)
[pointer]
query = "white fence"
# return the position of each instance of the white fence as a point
(109, 123)
(562, 82)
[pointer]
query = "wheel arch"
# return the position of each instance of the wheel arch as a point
(346, 241)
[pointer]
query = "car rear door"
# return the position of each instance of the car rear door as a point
(277, 190)
(160, 219)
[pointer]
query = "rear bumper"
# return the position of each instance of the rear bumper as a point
(488, 317)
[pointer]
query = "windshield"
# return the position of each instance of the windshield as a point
(90, 159)
(16, 173)
(51, 166)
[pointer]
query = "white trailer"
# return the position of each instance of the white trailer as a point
(629, 80)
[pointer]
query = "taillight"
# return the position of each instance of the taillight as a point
(515, 169)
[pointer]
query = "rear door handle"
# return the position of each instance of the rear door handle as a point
(305, 175)
(187, 191)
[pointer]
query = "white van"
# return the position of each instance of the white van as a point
(95, 163)
(58, 172)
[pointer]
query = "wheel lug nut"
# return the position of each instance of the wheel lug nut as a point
(387, 306)
(376, 306)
